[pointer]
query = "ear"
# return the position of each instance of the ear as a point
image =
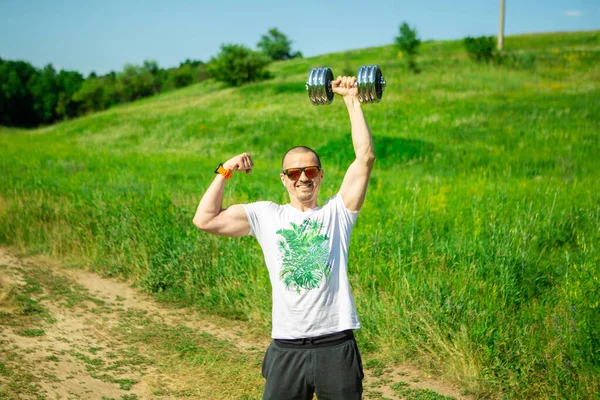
(282, 177)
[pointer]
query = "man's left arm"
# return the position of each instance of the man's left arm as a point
(356, 180)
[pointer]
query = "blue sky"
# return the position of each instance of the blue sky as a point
(104, 35)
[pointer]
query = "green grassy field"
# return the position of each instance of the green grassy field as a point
(477, 251)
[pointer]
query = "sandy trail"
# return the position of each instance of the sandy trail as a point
(63, 358)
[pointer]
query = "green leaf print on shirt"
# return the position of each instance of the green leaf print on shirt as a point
(304, 253)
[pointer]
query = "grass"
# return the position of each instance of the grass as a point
(402, 389)
(201, 363)
(476, 252)
(16, 381)
(31, 332)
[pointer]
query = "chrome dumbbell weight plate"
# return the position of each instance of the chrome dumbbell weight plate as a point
(319, 86)
(370, 83)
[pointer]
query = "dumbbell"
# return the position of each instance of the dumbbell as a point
(369, 81)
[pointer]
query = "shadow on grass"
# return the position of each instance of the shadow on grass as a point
(388, 150)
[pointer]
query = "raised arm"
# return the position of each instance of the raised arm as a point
(211, 217)
(356, 180)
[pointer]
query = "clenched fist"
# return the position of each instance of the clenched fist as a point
(242, 162)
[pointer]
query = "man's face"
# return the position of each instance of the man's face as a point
(304, 190)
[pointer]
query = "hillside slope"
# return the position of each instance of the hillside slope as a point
(476, 253)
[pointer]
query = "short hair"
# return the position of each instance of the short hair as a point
(299, 150)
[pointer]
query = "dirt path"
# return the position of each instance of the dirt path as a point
(71, 334)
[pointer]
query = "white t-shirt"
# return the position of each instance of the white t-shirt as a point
(307, 257)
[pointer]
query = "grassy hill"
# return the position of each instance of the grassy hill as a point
(477, 253)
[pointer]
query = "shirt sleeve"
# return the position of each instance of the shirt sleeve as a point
(348, 215)
(254, 212)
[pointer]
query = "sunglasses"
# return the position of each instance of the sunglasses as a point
(295, 173)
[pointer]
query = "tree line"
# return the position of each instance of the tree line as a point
(31, 96)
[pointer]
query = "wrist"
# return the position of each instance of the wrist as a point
(352, 102)
(227, 166)
(221, 170)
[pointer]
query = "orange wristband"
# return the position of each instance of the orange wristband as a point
(225, 172)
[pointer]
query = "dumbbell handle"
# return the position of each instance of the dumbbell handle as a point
(330, 83)
(370, 83)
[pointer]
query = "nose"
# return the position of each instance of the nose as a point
(303, 176)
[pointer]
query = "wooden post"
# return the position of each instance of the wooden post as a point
(501, 33)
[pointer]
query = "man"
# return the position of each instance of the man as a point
(306, 252)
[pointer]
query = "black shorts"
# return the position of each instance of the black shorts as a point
(329, 366)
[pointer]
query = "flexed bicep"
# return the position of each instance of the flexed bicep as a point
(231, 221)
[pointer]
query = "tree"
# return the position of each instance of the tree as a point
(90, 96)
(111, 89)
(68, 83)
(44, 90)
(154, 70)
(180, 77)
(408, 43)
(236, 65)
(277, 46)
(193, 63)
(29, 97)
(16, 101)
(188, 72)
(134, 83)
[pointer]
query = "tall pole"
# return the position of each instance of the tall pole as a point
(501, 33)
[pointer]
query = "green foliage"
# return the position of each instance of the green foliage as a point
(277, 46)
(45, 94)
(482, 48)
(236, 65)
(408, 40)
(91, 96)
(188, 72)
(180, 77)
(408, 43)
(69, 83)
(136, 82)
(16, 101)
(30, 97)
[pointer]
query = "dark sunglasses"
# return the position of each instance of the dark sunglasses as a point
(295, 173)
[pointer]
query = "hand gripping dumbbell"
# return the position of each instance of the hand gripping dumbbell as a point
(369, 81)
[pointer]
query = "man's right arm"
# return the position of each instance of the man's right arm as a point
(211, 217)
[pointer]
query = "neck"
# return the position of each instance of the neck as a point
(303, 205)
